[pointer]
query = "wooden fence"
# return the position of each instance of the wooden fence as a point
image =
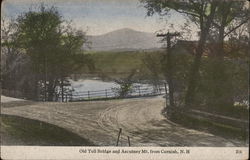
(231, 121)
(112, 93)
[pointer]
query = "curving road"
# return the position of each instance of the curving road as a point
(99, 121)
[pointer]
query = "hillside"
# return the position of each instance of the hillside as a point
(124, 40)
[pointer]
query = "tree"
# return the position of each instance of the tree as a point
(125, 85)
(200, 12)
(53, 47)
(152, 65)
(71, 59)
(15, 69)
(229, 17)
(216, 21)
(9, 53)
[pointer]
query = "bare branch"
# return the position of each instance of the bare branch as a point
(243, 22)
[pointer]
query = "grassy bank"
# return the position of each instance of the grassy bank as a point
(21, 131)
(207, 125)
(119, 64)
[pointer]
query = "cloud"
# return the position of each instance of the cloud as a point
(101, 16)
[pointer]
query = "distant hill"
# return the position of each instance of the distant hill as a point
(124, 39)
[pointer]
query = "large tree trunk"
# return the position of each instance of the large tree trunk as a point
(193, 79)
(222, 85)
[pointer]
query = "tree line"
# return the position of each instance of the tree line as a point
(39, 51)
(223, 34)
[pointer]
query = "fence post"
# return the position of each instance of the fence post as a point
(166, 94)
(139, 91)
(117, 142)
(62, 97)
(128, 141)
(165, 86)
(88, 95)
(71, 96)
(106, 93)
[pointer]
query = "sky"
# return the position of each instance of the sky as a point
(98, 16)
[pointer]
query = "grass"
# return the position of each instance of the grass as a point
(210, 126)
(21, 131)
(236, 111)
(119, 64)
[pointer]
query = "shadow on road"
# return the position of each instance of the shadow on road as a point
(22, 131)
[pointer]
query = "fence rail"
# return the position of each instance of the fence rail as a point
(112, 93)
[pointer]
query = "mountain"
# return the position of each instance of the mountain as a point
(124, 40)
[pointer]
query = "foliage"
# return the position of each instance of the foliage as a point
(15, 66)
(229, 87)
(151, 63)
(53, 47)
(200, 13)
(125, 85)
(210, 126)
(211, 80)
(116, 62)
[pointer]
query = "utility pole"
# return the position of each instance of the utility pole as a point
(45, 77)
(169, 66)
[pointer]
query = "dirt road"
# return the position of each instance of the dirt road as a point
(99, 121)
